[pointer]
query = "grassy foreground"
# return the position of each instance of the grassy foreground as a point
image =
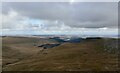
(21, 54)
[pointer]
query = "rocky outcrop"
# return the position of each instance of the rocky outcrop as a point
(111, 46)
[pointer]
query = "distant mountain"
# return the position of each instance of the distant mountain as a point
(58, 39)
(93, 38)
(70, 40)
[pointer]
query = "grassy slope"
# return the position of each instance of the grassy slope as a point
(87, 55)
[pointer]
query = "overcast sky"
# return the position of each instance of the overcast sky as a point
(82, 18)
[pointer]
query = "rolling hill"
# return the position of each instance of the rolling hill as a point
(22, 54)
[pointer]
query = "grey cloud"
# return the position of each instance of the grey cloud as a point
(87, 15)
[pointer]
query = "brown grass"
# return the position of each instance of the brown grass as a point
(84, 56)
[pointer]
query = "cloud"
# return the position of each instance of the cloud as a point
(99, 13)
(54, 16)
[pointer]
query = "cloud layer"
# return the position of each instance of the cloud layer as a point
(59, 17)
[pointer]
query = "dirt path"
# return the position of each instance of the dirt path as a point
(28, 51)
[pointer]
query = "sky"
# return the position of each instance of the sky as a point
(59, 18)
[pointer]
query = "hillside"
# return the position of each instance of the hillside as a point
(22, 54)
